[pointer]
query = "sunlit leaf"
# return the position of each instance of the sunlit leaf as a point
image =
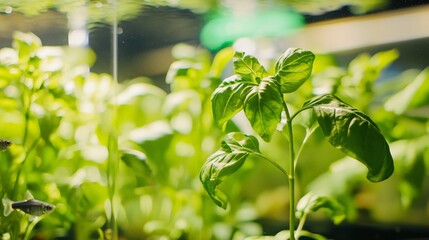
(185, 100)
(249, 68)
(293, 68)
(412, 96)
(366, 69)
(355, 134)
(228, 98)
(26, 44)
(178, 69)
(153, 139)
(263, 107)
(312, 203)
(221, 59)
(384, 58)
(235, 149)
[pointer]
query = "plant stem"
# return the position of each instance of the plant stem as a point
(291, 173)
(307, 136)
(27, 108)
(302, 220)
(274, 163)
(18, 174)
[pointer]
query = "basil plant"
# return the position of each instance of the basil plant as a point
(263, 98)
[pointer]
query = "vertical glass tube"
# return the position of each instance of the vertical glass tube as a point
(113, 157)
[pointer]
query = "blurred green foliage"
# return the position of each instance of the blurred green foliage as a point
(61, 119)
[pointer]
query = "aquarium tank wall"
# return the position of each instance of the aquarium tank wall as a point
(214, 119)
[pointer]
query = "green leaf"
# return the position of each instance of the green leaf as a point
(228, 99)
(409, 157)
(313, 202)
(293, 68)
(263, 107)
(248, 68)
(355, 134)
(178, 69)
(26, 44)
(151, 137)
(414, 95)
(365, 69)
(136, 160)
(235, 149)
(222, 58)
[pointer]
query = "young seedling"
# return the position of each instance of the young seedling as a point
(262, 97)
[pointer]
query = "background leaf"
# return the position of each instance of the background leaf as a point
(293, 68)
(263, 107)
(414, 95)
(221, 59)
(355, 134)
(235, 149)
(136, 160)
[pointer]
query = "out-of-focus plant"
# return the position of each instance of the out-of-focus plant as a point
(61, 119)
(174, 145)
(263, 97)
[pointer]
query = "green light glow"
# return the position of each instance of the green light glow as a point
(226, 28)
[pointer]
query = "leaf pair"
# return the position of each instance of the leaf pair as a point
(260, 95)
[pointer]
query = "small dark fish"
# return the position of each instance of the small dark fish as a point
(30, 206)
(4, 144)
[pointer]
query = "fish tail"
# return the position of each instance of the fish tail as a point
(7, 204)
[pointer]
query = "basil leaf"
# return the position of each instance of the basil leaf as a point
(355, 134)
(235, 149)
(263, 107)
(249, 68)
(313, 202)
(293, 68)
(228, 99)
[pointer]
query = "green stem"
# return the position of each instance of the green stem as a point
(307, 136)
(274, 163)
(301, 224)
(27, 109)
(18, 174)
(291, 173)
(302, 220)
